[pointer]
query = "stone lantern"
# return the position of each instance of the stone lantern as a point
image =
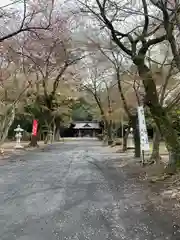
(18, 136)
(130, 139)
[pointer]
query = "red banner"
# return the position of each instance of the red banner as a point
(35, 126)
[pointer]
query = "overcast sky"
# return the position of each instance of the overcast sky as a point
(4, 2)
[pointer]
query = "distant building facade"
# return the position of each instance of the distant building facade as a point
(87, 128)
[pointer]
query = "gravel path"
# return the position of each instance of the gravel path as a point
(73, 191)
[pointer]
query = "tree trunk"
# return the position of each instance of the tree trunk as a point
(48, 128)
(125, 137)
(160, 116)
(57, 130)
(109, 133)
(57, 135)
(54, 131)
(46, 139)
(33, 142)
(6, 124)
(105, 131)
(170, 135)
(155, 155)
(134, 122)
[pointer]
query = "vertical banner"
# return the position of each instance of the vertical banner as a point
(34, 128)
(143, 130)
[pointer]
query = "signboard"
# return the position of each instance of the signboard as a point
(34, 129)
(143, 130)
